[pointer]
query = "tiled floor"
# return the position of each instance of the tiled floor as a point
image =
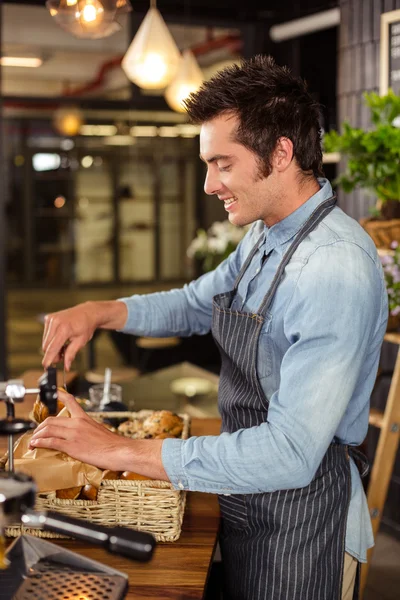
(24, 341)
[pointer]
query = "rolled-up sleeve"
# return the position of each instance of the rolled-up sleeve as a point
(184, 311)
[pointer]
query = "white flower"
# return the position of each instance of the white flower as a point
(198, 245)
(217, 245)
(216, 241)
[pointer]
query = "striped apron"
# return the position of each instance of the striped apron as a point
(288, 544)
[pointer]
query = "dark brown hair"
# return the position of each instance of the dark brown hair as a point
(270, 103)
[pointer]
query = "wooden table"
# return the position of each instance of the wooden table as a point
(179, 569)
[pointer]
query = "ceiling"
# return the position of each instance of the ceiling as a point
(226, 10)
(82, 67)
(90, 68)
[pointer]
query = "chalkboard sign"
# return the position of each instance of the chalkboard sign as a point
(390, 52)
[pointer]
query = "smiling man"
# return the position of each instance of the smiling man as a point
(298, 312)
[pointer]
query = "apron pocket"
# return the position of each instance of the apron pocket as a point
(234, 510)
(265, 349)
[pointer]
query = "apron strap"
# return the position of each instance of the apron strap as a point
(360, 459)
(315, 218)
(248, 261)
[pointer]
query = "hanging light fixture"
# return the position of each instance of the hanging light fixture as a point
(153, 57)
(91, 19)
(68, 120)
(187, 80)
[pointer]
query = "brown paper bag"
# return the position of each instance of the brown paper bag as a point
(51, 469)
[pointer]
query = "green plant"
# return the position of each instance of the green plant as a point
(373, 155)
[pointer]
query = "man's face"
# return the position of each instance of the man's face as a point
(233, 174)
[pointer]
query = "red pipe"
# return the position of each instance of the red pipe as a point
(233, 42)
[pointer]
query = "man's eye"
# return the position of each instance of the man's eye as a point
(227, 168)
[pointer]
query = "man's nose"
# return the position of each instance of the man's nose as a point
(212, 184)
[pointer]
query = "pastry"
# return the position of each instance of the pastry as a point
(163, 436)
(163, 421)
(41, 411)
(111, 474)
(130, 475)
(69, 493)
(88, 492)
(132, 428)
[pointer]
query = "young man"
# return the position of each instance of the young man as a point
(298, 312)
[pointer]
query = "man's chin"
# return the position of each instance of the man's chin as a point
(237, 220)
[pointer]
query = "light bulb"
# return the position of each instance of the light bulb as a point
(68, 120)
(152, 70)
(187, 80)
(153, 57)
(90, 13)
(90, 19)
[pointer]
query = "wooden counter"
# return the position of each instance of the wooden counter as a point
(179, 569)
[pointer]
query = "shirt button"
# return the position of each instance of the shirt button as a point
(258, 270)
(180, 485)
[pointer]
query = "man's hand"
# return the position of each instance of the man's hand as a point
(82, 438)
(77, 325)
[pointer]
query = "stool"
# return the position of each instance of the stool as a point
(151, 344)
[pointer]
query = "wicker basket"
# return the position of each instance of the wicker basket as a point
(146, 505)
(382, 232)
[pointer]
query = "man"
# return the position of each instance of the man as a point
(298, 312)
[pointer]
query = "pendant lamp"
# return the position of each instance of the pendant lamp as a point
(68, 120)
(153, 57)
(187, 80)
(91, 19)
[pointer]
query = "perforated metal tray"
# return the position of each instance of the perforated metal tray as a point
(40, 570)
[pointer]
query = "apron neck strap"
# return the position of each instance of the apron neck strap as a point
(314, 219)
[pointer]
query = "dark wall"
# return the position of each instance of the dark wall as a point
(3, 355)
(358, 59)
(359, 48)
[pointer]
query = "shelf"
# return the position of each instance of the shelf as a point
(53, 214)
(54, 248)
(393, 338)
(330, 158)
(376, 417)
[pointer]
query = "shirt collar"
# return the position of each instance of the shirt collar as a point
(284, 230)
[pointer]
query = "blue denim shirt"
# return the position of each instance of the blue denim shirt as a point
(317, 358)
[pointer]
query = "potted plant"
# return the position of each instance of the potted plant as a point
(391, 268)
(374, 164)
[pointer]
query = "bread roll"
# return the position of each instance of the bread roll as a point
(41, 411)
(88, 492)
(69, 493)
(132, 428)
(163, 421)
(163, 436)
(111, 474)
(130, 475)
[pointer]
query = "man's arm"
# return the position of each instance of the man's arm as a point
(82, 438)
(178, 312)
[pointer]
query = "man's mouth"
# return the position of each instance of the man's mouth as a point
(229, 201)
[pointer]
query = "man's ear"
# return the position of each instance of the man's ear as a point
(283, 154)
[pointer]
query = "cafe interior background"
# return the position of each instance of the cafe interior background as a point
(102, 187)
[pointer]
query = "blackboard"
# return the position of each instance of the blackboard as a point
(394, 56)
(390, 52)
